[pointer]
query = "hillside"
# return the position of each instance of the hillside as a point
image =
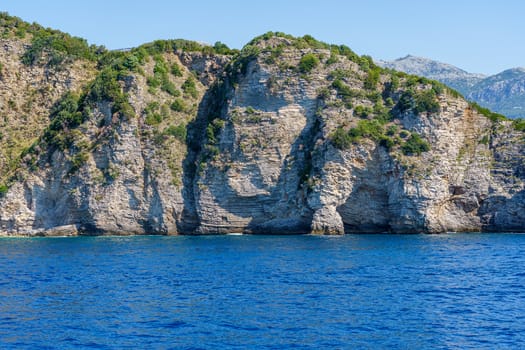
(448, 74)
(289, 135)
(503, 92)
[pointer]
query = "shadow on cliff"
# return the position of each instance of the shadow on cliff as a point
(367, 208)
(295, 217)
(503, 214)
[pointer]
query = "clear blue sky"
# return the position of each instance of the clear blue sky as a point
(480, 36)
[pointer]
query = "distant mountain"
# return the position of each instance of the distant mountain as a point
(443, 72)
(503, 93)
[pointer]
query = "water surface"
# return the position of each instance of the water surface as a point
(265, 292)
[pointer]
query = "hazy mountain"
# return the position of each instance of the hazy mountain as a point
(446, 73)
(503, 92)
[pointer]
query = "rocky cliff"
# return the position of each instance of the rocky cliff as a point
(289, 135)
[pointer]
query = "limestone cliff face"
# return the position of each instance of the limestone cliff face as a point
(27, 94)
(288, 136)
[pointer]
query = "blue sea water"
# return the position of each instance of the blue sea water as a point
(264, 292)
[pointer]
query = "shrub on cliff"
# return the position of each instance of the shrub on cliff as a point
(372, 78)
(58, 46)
(308, 62)
(415, 145)
(426, 102)
(340, 139)
(190, 88)
(178, 105)
(179, 132)
(519, 124)
(3, 190)
(495, 117)
(419, 101)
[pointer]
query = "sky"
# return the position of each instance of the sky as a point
(479, 36)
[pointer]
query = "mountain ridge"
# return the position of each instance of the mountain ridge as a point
(288, 135)
(503, 92)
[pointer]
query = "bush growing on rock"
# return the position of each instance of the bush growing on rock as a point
(340, 139)
(189, 87)
(308, 62)
(415, 145)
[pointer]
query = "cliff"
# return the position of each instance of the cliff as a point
(289, 135)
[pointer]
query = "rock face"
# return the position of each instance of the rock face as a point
(197, 142)
(503, 92)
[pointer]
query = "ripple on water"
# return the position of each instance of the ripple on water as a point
(268, 292)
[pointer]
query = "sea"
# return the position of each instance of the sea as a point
(447, 291)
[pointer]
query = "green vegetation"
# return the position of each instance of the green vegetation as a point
(372, 129)
(375, 130)
(178, 105)
(339, 74)
(345, 92)
(106, 87)
(56, 45)
(153, 113)
(211, 150)
(331, 60)
(415, 145)
(419, 101)
(494, 117)
(363, 112)
(341, 139)
(307, 41)
(519, 124)
(372, 78)
(175, 70)
(426, 102)
(240, 64)
(222, 49)
(161, 78)
(65, 115)
(189, 87)
(308, 62)
(3, 190)
(323, 93)
(77, 161)
(169, 46)
(343, 50)
(170, 88)
(274, 54)
(53, 45)
(179, 132)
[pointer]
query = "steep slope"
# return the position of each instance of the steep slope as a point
(290, 135)
(503, 92)
(331, 148)
(31, 81)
